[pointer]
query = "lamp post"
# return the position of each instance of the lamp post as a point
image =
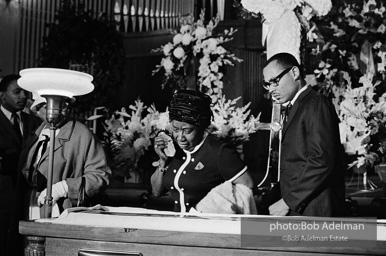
(56, 85)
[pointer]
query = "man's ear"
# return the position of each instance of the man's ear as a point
(296, 73)
(2, 96)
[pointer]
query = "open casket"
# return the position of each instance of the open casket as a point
(137, 231)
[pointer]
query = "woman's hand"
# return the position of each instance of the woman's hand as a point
(163, 146)
(161, 143)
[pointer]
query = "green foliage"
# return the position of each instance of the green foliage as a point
(76, 37)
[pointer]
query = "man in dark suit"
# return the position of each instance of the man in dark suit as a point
(311, 176)
(13, 101)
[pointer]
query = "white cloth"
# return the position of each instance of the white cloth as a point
(170, 151)
(282, 35)
(228, 198)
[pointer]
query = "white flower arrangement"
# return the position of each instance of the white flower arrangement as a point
(231, 124)
(195, 40)
(354, 110)
(363, 123)
(355, 27)
(128, 136)
(355, 33)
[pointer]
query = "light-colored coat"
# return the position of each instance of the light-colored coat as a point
(78, 153)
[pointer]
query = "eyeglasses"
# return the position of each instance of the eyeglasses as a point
(275, 81)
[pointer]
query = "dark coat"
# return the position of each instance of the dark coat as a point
(10, 148)
(312, 174)
(191, 175)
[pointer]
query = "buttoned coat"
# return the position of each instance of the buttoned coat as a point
(312, 175)
(78, 153)
(192, 174)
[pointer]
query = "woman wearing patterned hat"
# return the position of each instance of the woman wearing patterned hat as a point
(200, 162)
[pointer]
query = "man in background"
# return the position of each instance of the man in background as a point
(15, 126)
(311, 175)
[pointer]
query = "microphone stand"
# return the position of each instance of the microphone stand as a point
(54, 116)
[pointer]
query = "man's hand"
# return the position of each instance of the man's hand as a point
(280, 208)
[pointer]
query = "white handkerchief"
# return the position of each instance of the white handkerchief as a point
(170, 150)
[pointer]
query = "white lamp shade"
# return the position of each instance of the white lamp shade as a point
(55, 81)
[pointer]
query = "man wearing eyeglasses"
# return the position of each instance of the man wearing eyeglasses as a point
(311, 175)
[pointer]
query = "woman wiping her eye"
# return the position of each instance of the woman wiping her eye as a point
(200, 162)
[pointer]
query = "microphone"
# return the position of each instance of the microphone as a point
(54, 108)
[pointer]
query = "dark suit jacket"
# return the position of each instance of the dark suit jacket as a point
(312, 176)
(10, 148)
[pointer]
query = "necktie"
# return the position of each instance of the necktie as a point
(41, 147)
(286, 112)
(16, 126)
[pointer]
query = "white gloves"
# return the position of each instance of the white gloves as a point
(59, 190)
